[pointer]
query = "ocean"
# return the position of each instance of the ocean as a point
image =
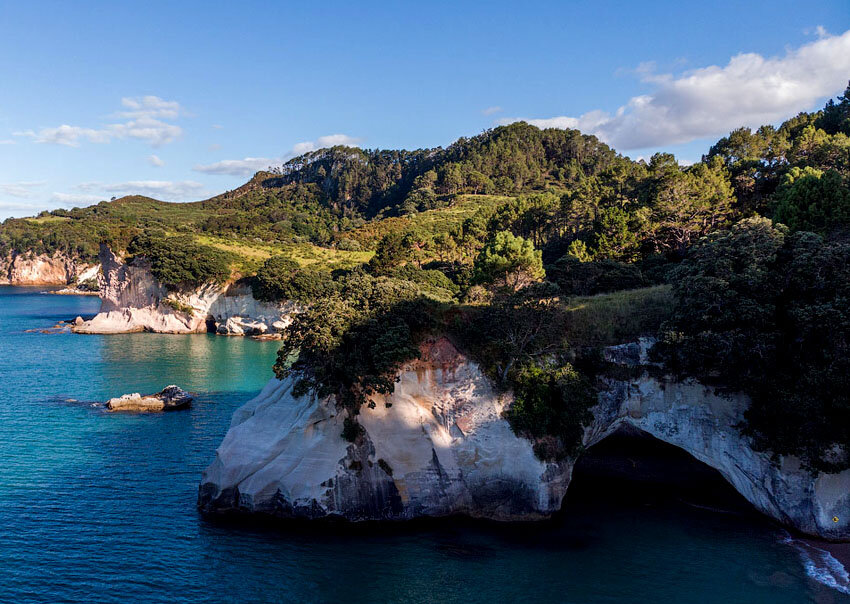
(99, 507)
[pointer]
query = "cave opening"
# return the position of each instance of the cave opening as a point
(633, 468)
(210, 323)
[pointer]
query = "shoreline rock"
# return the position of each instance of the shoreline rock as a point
(439, 446)
(169, 398)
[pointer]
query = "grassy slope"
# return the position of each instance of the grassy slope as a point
(618, 317)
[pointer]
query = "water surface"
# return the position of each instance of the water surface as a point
(98, 507)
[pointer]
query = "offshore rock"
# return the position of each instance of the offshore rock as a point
(439, 445)
(169, 398)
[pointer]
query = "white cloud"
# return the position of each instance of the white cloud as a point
(491, 110)
(23, 189)
(750, 90)
(160, 189)
(149, 107)
(155, 161)
(7, 141)
(238, 167)
(75, 199)
(249, 165)
(145, 117)
(217, 126)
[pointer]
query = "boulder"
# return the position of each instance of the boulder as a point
(168, 399)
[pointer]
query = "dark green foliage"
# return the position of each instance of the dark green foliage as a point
(434, 283)
(89, 285)
(508, 262)
(577, 278)
(835, 117)
(351, 430)
(350, 345)
(767, 313)
(179, 261)
(280, 278)
(812, 200)
(516, 329)
(551, 406)
(392, 251)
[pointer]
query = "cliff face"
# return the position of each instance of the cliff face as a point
(439, 445)
(42, 269)
(133, 300)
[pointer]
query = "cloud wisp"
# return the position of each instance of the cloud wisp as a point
(21, 189)
(166, 190)
(750, 90)
(250, 165)
(148, 119)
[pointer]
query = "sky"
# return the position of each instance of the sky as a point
(184, 100)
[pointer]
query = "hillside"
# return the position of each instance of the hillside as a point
(512, 243)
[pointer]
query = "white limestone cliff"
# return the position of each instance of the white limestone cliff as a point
(43, 269)
(133, 300)
(439, 445)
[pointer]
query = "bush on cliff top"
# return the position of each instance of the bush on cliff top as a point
(768, 313)
(179, 261)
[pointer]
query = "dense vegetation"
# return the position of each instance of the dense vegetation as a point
(531, 249)
(768, 312)
(179, 261)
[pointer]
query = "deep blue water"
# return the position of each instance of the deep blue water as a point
(97, 507)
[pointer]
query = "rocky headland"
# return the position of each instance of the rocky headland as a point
(42, 269)
(133, 300)
(439, 445)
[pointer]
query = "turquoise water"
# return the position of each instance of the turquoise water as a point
(101, 508)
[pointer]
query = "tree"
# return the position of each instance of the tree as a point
(813, 200)
(393, 250)
(508, 262)
(688, 205)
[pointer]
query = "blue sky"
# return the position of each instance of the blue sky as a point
(183, 100)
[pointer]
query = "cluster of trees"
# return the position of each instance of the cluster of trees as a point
(178, 261)
(767, 311)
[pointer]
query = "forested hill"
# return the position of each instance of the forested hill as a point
(321, 194)
(559, 188)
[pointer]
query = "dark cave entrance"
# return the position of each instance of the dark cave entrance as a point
(210, 322)
(631, 467)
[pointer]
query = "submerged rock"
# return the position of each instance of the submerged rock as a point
(168, 399)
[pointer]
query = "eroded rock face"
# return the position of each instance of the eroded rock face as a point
(169, 398)
(43, 269)
(436, 446)
(439, 445)
(133, 300)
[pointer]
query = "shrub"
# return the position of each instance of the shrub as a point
(180, 261)
(551, 405)
(280, 278)
(577, 278)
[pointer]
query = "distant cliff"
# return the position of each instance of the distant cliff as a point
(439, 446)
(133, 300)
(42, 269)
